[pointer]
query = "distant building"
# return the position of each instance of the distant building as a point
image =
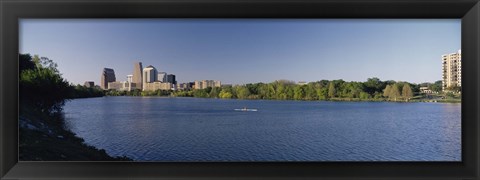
(153, 86)
(115, 86)
(452, 70)
(302, 83)
(162, 76)
(129, 78)
(150, 75)
(426, 90)
(89, 84)
(137, 74)
(185, 86)
(122, 86)
(207, 83)
(171, 79)
(108, 75)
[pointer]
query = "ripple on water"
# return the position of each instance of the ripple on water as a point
(190, 129)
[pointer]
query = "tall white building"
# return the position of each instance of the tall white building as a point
(452, 70)
(150, 75)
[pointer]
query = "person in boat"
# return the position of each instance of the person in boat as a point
(244, 108)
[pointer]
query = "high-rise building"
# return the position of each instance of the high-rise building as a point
(137, 74)
(171, 79)
(89, 84)
(452, 70)
(108, 75)
(150, 75)
(162, 76)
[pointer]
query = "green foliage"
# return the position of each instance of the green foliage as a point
(436, 87)
(25, 62)
(395, 92)
(85, 92)
(242, 92)
(331, 90)
(407, 92)
(386, 91)
(201, 93)
(42, 86)
(225, 94)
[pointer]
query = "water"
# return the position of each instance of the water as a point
(194, 129)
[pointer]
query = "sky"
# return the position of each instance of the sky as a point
(240, 51)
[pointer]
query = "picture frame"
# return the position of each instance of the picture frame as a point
(467, 10)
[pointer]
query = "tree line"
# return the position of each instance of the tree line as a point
(41, 85)
(372, 90)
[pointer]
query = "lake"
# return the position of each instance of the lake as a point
(196, 129)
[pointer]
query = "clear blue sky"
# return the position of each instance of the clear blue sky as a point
(237, 51)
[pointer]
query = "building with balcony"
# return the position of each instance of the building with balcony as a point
(452, 70)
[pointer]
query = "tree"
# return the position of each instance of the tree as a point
(242, 92)
(373, 85)
(364, 95)
(214, 92)
(25, 62)
(43, 86)
(407, 92)
(225, 94)
(436, 87)
(387, 91)
(331, 90)
(298, 93)
(394, 92)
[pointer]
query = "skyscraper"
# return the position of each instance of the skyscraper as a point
(150, 75)
(171, 79)
(137, 74)
(452, 70)
(108, 75)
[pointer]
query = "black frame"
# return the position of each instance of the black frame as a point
(467, 10)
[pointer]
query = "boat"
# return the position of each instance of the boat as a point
(246, 109)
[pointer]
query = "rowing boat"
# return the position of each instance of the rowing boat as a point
(244, 109)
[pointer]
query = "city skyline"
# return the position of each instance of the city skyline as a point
(246, 51)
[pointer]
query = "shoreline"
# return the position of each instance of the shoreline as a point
(331, 100)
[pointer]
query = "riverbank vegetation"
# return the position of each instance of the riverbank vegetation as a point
(336, 90)
(43, 134)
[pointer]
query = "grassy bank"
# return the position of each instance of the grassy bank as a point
(44, 137)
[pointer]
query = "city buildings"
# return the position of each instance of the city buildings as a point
(89, 84)
(137, 74)
(122, 86)
(186, 86)
(146, 79)
(153, 86)
(171, 79)
(162, 76)
(207, 83)
(150, 75)
(451, 70)
(108, 75)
